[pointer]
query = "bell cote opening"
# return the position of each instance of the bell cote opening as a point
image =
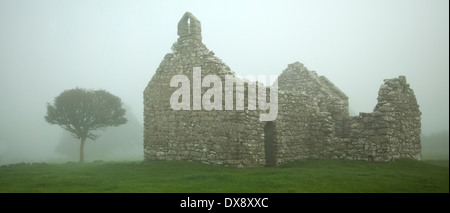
(189, 27)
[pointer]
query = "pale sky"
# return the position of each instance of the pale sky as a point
(49, 46)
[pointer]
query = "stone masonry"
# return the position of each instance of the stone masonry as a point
(313, 119)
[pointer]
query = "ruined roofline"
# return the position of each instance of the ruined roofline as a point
(189, 29)
(298, 70)
(388, 89)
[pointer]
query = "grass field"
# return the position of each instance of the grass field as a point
(179, 176)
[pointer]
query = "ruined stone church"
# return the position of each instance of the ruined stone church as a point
(313, 117)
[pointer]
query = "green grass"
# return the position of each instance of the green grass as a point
(180, 176)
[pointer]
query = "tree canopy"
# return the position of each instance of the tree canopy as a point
(81, 111)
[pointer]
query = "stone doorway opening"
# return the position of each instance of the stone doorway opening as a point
(270, 136)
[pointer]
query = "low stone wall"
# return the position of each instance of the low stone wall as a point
(390, 132)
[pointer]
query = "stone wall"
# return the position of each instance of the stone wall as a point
(216, 136)
(393, 129)
(329, 98)
(313, 119)
(296, 129)
(390, 132)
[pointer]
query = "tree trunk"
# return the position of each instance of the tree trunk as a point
(82, 150)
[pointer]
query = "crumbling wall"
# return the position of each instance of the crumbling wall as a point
(398, 105)
(392, 130)
(312, 122)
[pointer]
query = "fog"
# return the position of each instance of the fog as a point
(49, 46)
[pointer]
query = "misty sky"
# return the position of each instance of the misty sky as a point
(48, 46)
